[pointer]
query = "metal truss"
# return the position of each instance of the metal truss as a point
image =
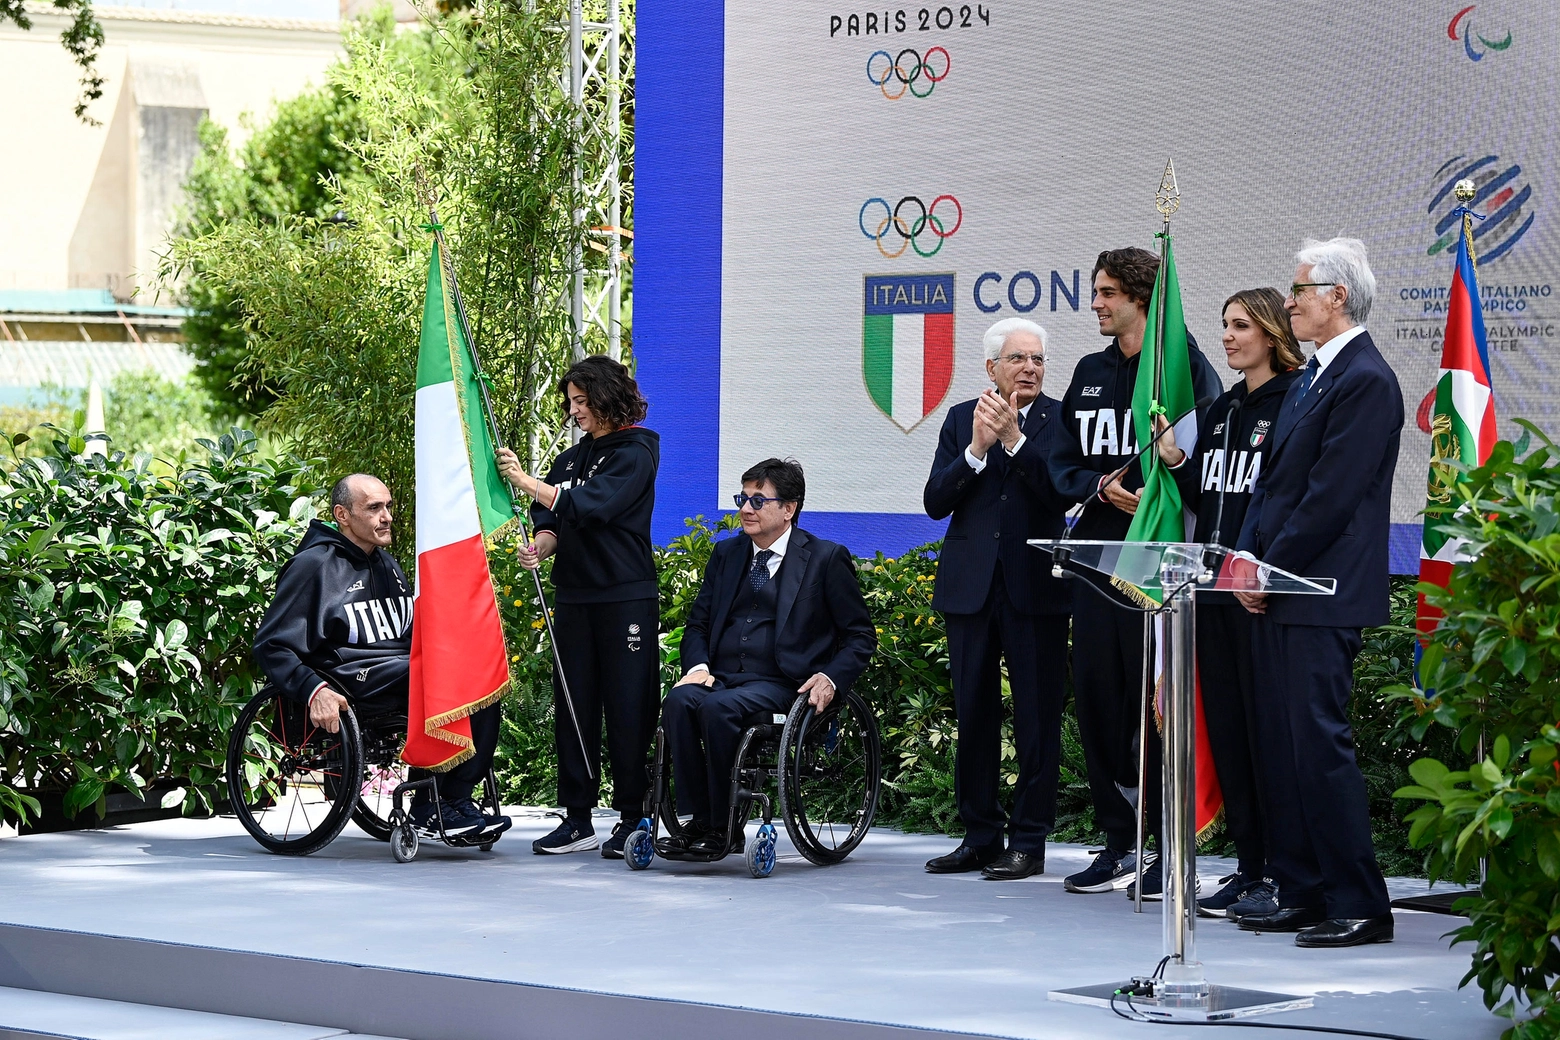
(599, 53)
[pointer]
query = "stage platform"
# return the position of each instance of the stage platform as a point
(191, 914)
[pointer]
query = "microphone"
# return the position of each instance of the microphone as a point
(1059, 555)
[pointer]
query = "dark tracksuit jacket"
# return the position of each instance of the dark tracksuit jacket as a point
(1224, 660)
(341, 618)
(607, 621)
(1097, 438)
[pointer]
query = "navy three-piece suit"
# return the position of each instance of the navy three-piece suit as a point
(1322, 510)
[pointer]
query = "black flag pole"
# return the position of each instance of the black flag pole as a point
(448, 265)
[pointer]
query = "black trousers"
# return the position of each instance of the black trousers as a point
(611, 655)
(1228, 691)
(1107, 684)
(1035, 648)
(1318, 834)
(703, 727)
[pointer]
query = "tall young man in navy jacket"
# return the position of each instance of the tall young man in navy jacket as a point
(1322, 509)
(1001, 603)
(1095, 441)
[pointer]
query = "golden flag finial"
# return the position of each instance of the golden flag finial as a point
(1168, 198)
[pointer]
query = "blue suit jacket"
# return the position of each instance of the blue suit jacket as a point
(994, 512)
(1322, 507)
(821, 621)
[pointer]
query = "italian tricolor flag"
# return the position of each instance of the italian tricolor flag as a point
(1164, 387)
(1461, 423)
(459, 664)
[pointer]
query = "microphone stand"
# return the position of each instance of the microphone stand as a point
(1060, 555)
(1236, 407)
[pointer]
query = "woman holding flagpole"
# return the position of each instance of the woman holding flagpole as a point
(1259, 344)
(592, 513)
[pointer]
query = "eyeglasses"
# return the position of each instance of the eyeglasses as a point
(1018, 359)
(1296, 289)
(757, 501)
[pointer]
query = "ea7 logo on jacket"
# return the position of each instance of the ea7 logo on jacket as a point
(356, 586)
(1091, 391)
(387, 618)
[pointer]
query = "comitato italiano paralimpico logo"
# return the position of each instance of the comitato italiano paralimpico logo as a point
(1502, 197)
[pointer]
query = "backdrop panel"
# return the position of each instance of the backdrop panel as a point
(835, 203)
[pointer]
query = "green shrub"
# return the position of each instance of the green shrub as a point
(1491, 672)
(128, 602)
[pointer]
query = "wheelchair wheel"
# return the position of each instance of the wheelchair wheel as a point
(639, 850)
(830, 769)
(284, 775)
(403, 842)
(383, 771)
(761, 853)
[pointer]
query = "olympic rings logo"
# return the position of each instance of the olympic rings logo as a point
(911, 221)
(907, 69)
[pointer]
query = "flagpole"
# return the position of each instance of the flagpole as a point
(448, 265)
(1166, 200)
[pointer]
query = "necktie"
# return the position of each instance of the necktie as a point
(1306, 380)
(759, 575)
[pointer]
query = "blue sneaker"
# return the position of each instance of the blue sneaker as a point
(569, 836)
(1111, 871)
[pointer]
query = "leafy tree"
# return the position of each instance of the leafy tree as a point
(82, 38)
(282, 170)
(469, 111)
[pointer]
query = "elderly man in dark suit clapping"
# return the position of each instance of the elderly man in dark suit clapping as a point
(1001, 603)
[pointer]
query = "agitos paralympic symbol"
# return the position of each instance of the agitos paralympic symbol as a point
(900, 73)
(1461, 21)
(910, 224)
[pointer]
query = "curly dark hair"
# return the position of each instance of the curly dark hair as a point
(613, 394)
(1136, 269)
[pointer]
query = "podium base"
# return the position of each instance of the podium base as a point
(1223, 1003)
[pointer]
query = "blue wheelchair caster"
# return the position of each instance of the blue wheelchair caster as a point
(639, 848)
(761, 854)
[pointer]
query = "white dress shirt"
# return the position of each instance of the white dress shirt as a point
(1023, 416)
(1331, 349)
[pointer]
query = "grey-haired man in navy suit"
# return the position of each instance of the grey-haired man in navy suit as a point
(1001, 603)
(1321, 509)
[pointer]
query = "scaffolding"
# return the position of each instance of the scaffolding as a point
(595, 77)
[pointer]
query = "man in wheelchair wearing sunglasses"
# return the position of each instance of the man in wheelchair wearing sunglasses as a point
(339, 634)
(780, 612)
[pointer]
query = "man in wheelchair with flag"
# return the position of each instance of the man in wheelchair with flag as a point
(338, 635)
(779, 627)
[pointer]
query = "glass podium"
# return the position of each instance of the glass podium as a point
(1171, 574)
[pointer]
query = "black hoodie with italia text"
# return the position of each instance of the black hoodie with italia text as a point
(1097, 436)
(341, 618)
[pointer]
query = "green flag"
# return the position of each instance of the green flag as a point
(1164, 387)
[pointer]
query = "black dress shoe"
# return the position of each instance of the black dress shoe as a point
(714, 844)
(1013, 865)
(1347, 931)
(963, 859)
(1284, 919)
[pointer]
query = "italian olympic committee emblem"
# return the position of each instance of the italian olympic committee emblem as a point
(907, 344)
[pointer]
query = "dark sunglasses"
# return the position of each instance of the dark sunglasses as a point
(758, 501)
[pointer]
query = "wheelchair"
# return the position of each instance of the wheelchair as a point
(827, 770)
(294, 786)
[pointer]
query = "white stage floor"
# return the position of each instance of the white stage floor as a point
(872, 940)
